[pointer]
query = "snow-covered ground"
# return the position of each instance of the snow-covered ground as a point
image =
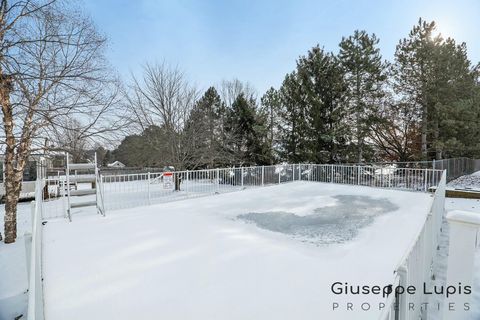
(441, 261)
(13, 265)
(202, 259)
(471, 181)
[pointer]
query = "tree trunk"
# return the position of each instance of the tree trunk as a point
(424, 133)
(13, 185)
(436, 134)
(14, 163)
(359, 120)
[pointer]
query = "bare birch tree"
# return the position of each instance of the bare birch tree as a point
(52, 70)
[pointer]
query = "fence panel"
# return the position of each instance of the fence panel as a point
(131, 190)
(455, 167)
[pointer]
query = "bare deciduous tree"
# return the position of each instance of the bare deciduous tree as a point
(52, 70)
(395, 132)
(163, 97)
(231, 89)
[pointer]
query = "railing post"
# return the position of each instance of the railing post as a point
(241, 172)
(263, 174)
(464, 228)
(425, 177)
(381, 177)
(148, 187)
(32, 210)
(358, 175)
(402, 299)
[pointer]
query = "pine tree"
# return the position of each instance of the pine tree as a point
(323, 88)
(203, 132)
(432, 76)
(365, 77)
(270, 109)
(293, 125)
(247, 132)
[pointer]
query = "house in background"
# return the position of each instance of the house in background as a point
(116, 164)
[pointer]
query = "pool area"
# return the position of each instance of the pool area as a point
(338, 222)
(269, 253)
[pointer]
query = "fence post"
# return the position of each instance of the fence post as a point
(331, 173)
(402, 299)
(241, 173)
(299, 172)
(186, 184)
(358, 175)
(381, 177)
(279, 178)
(32, 211)
(263, 174)
(218, 180)
(425, 177)
(148, 187)
(464, 228)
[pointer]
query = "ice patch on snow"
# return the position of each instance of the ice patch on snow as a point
(337, 223)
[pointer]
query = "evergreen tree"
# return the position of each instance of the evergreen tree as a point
(432, 75)
(203, 132)
(293, 125)
(270, 109)
(323, 92)
(246, 130)
(149, 149)
(365, 77)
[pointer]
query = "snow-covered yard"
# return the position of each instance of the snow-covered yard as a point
(13, 268)
(269, 253)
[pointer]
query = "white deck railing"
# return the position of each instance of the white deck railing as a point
(415, 268)
(35, 287)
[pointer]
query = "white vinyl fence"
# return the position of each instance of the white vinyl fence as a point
(35, 290)
(415, 268)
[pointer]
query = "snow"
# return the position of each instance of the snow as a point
(464, 217)
(441, 260)
(197, 259)
(471, 181)
(13, 265)
(14, 279)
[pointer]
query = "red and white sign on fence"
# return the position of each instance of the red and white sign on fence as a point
(168, 180)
